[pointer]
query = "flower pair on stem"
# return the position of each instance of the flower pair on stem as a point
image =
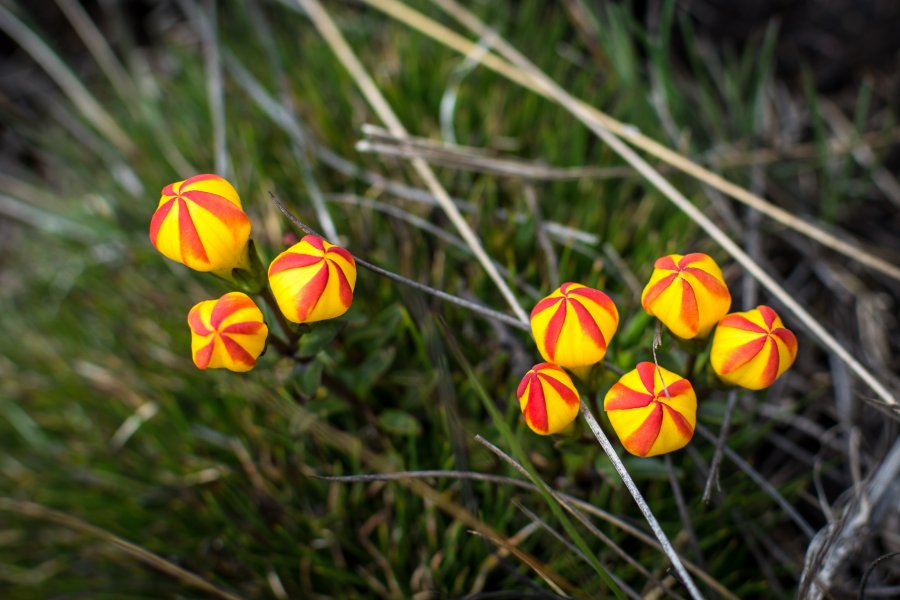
(200, 223)
(653, 410)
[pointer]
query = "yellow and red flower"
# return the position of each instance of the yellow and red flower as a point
(752, 349)
(313, 280)
(649, 417)
(228, 333)
(687, 293)
(199, 222)
(574, 325)
(548, 399)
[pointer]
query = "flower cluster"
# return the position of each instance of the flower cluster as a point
(652, 409)
(200, 223)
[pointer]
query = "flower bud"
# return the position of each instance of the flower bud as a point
(573, 326)
(752, 349)
(648, 420)
(228, 333)
(199, 222)
(313, 280)
(687, 293)
(548, 399)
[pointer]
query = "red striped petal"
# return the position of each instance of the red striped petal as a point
(545, 304)
(647, 373)
(195, 321)
(342, 253)
(588, 325)
(246, 328)
(690, 312)
(681, 423)
(187, 233)
(237, 352)
(158, 217)
(709, 282)
(169, 190)
(689, 259)
(740, 322)
(314, 241)
(201, 359)
(768, 315)
(743, 354)
(658, 288)
(788, 337)
(771, 371)
(675, 388)
(529, 376)
(224, 210)
(311, 293)
(536, 408)
(199, 178)
(644, 436)
(625, 398)
(566, 393)
(293, 260)
(666, 263)
(344, 291)
(596, 296)
(227, 305)
(554, 328)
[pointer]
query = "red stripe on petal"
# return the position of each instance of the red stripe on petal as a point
(675, 388)
(597, 297)
(545, 304)
(223, 210)
(691, 258)
(770, 373)
(529, 376)
(554, 329)
(536, 408)
(342, 253)
(344, 291)
(690, 312)
(624, 398)
(201, 359)
(237, 352)
(788, 337)
(658, 288)
(199, 178)
(158, 218)
(187, 233)
(168, 190)
(566, 393)
(245, 328)
(314, 241)
(647, 373)
(768, 315)
(311, 293)
(644, 436)
(741, 322)
(588, 325)
(681, 423)
(666, 263)
(709, 282)
(743, 354)
(228, 305)
(195, 322)
(291, 260)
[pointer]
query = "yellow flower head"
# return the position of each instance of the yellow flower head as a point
(548, 399)
(752, 349)
(647, 419)
(228, 333)
(199, 222)
(313, 280)
(573, 326)
(687, 293)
